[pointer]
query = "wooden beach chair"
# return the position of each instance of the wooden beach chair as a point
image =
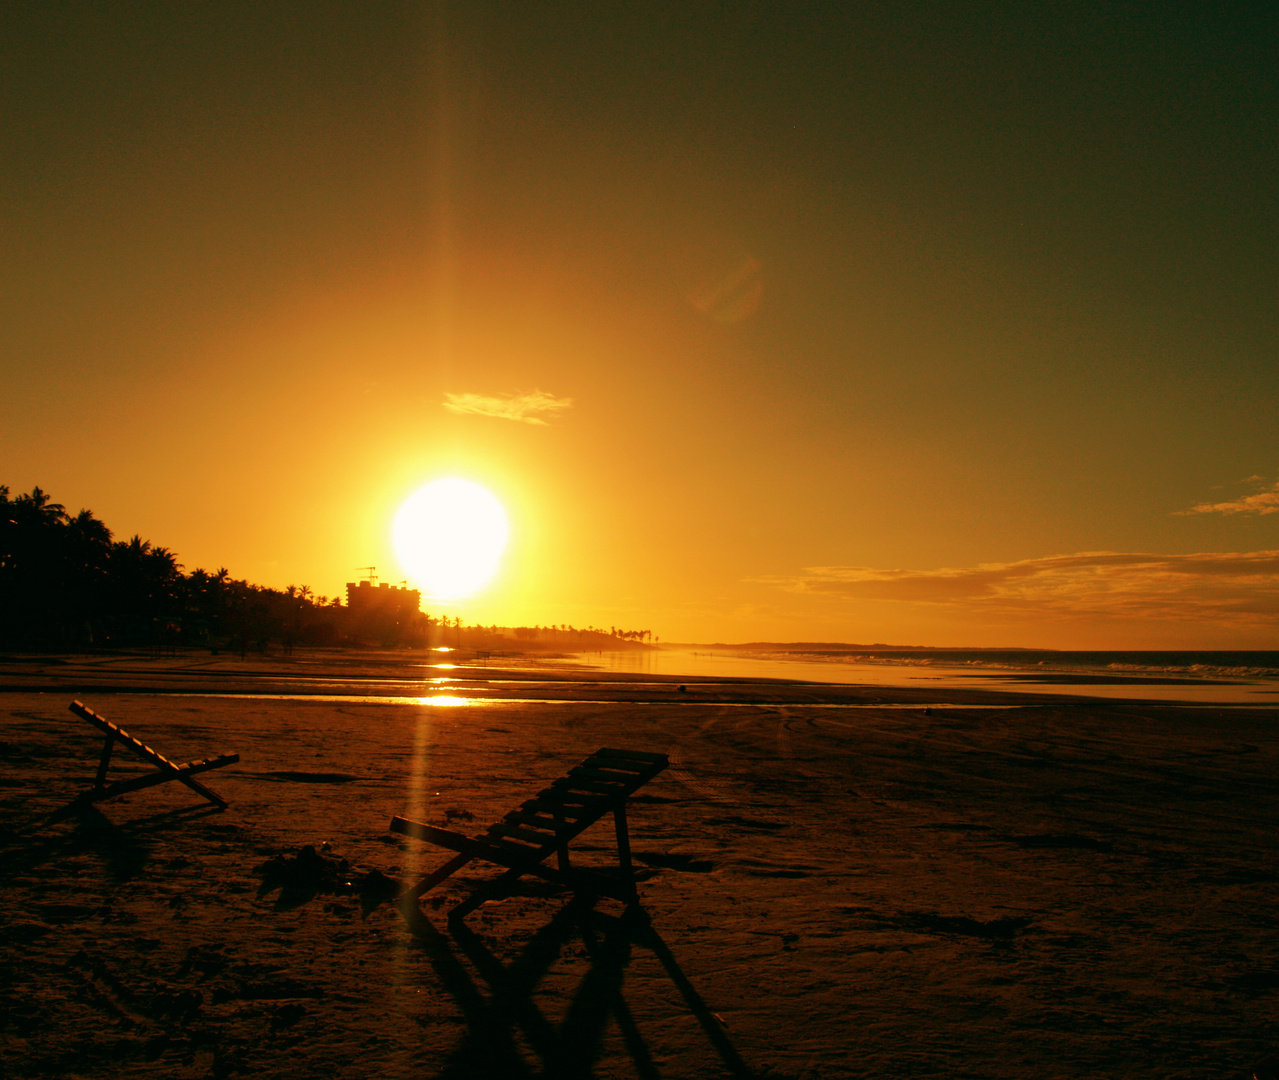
(545, 825)
(167, 770)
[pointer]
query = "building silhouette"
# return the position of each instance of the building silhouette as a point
(366, 598)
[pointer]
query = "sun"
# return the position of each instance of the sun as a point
(449, 537)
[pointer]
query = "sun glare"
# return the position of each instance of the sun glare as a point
(449, 537)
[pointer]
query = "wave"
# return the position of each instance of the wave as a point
(1209, 666)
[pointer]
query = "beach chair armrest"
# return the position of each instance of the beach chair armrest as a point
(444, 838)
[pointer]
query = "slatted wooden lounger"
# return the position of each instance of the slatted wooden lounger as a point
(168, 770)
(546, 824)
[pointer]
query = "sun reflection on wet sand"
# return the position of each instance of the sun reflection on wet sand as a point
(451, 700)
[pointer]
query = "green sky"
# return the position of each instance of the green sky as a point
(925, 323)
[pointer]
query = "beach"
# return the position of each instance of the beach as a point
(837, 880)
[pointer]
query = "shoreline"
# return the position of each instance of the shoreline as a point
(399, 674)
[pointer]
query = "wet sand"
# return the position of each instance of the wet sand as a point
(838, 881)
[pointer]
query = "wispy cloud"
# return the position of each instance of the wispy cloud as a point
(528, 408)
(1263, 502)
(1239, 585)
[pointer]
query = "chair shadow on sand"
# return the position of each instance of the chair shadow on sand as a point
(124, 848)
(497, 1021)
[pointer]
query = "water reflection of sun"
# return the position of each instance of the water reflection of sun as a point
(449, 537)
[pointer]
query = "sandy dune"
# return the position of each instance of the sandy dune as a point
(1058, 889)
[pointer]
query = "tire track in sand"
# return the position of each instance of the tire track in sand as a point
(706, 787)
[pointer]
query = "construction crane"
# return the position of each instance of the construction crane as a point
(372, 578)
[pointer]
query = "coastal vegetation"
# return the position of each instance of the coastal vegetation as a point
(66, 584)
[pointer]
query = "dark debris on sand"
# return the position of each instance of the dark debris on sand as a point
(310, 873)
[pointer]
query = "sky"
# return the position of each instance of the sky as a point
(918, 323)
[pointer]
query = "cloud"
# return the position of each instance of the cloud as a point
(1263, 502)
(1242, 586)
(527, 408)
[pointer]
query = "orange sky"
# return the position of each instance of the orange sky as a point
(928, 325)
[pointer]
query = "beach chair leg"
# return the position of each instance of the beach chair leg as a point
(201, 790)
(100, 780)
(414, 893)
(561, 852)
(497, 887)
(624, 850)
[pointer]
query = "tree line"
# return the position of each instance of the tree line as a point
(66, 584)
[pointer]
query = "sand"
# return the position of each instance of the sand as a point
(1062, 888)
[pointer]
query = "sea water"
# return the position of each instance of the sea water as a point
(1234, 678)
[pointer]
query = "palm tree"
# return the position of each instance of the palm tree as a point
(37, 504)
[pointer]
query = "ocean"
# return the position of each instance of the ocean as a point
(1203, 678)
